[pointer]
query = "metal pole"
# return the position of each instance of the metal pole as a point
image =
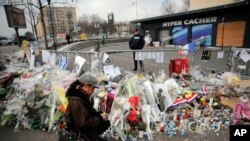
(17, 35)
(52, 25)
(31, 21)
(135, 3)
(136, 10)
(146, 11)
(222, 37)
(78, 12)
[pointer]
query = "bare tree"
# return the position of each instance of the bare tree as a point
(93, 24)
(174, 6)
(43, 23)
(31, 5)
(87, 23)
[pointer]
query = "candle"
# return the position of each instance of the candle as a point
(211, 102)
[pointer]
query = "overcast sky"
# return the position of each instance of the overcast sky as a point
(124, 10)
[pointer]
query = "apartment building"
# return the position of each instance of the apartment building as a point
(63, 19)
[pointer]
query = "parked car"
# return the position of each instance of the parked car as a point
(5, 41)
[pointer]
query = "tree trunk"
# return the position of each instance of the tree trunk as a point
(43, 24)
(31, 20)
(35, 27)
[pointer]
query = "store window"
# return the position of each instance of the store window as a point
(179, 35)
(164, 37)
(231, 34)
(202, 34)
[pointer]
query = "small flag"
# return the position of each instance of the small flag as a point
(179, 101)
(191, 47)
(204, 90)
(192, 97)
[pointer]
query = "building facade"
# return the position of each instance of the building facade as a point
(63, 19)
(221, 26)
(201, 4)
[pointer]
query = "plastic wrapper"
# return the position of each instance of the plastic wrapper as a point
(14, 106)
(95, 66)
(161, 77)
(171, 84)
(149, 92)
(53, 59)
(116, 117)
(229, 77)
(146, 118)
(164, 99)
(132, 86)
(33, 105)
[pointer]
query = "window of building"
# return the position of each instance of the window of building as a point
(179, 35)
(164, 36)
(203, 34)
(231, 34)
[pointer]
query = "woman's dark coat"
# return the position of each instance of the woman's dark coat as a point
(81, 116)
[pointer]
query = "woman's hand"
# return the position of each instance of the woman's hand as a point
(104, 116)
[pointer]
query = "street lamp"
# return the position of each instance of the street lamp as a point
(96, 25)
(69, 24)
(52, 24)
(135, 3)
(146, 10)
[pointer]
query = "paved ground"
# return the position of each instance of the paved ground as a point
(7, 134)
(4, 50)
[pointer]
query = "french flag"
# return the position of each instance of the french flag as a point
(191, 98)
(179, 101)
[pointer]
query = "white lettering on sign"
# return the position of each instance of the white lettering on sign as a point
(191, 21)
(172, 23)
(240, 132)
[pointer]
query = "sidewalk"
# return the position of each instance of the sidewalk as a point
(4, 50)
(7, 134)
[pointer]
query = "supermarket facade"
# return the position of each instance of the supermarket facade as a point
(227, 25)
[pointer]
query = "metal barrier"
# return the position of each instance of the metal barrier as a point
(153, 60)
(227, 62)
(156, 59)
(239, 66)
(71, 58)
